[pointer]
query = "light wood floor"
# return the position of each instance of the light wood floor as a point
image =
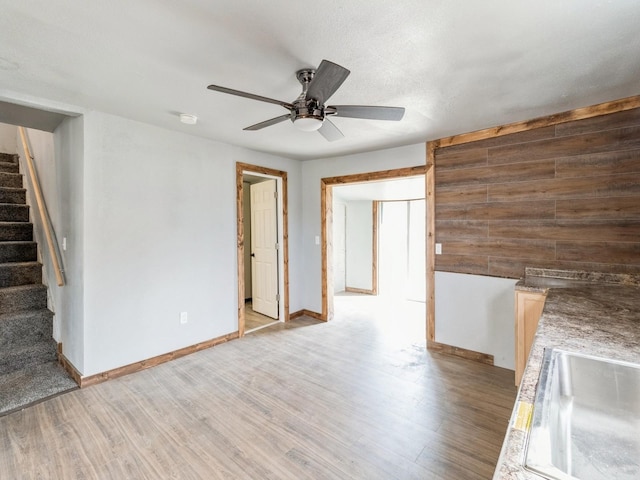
(356, 398)
(253, 319)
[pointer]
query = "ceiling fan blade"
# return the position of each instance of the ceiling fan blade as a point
(367, 112)
(252, 96)
(326, 81)
(268, 123)
(330, 131)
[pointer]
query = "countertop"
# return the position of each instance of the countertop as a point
(593, 313)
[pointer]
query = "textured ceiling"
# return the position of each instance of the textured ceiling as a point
(456, 66)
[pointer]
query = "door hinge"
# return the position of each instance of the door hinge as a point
(277, 297)
(277, 246)
(275, 195)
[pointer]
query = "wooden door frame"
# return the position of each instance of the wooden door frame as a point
(326, 219)
(241, 169)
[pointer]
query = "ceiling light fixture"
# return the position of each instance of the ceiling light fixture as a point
(188, 118)
(308, 124)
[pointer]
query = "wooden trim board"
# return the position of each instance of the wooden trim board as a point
(460, 352)
(430, 240)
(241, 169)
(308, 313)
(359, 290)
(152, 362)
(374, 248)
(68, 366)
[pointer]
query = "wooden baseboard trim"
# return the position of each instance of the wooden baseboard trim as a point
(359, 290)
(68, 366)
(152, 362)
(308, 313)
(460, 352)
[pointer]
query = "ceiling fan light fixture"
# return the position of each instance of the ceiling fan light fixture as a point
(308, 124)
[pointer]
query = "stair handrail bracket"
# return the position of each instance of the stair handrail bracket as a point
(52, 245)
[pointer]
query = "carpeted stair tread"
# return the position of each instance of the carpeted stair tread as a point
(20, 273)
(23, 297)
(26, 387)
(9, 157)
(16, 232)
(18, 251)
(25, 356)
(13, 195)
(9, 167)
(13, 180)
(19, 329)
(11, 212)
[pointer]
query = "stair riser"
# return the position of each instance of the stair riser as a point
(8, 158)
(20, 330)
(19, 359)
(14, 213)
(18, 232)
(9, 167)
(21, 300)
(18, 197)
(14, 275)
(11, 180)
(18, 252)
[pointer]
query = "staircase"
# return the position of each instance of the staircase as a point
(29, 371)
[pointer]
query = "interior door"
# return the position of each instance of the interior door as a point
(264, 248)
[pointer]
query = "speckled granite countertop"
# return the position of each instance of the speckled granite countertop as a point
(593, 313)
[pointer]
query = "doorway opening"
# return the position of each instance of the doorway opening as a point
(263, 277)
(366, 273)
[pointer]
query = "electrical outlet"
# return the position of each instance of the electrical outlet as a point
(438, 249)
(183, 318)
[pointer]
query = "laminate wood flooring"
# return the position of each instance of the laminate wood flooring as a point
(253, 319)
(355, 398)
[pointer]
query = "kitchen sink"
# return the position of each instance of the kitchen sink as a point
(586, 419)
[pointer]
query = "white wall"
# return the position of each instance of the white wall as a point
(8, 138)
(160, 239)
(339, 246)
(359, 237)
(477, 313)
(312, 172)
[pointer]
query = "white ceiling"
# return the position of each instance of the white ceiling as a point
(456, 66)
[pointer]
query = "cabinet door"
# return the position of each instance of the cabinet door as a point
(529, 307)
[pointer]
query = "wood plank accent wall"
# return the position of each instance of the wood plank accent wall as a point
(562, 195)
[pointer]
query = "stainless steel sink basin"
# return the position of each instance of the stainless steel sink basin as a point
(586, 419)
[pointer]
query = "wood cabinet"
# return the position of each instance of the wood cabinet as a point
(529, 307)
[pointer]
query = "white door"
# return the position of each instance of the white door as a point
(264, 249)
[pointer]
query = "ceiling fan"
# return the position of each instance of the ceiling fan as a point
(308, 112)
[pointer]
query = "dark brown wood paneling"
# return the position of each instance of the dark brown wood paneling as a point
(489, 175)
(514, 248)
(461, 228)
(621, 208)
(496, 211)
(566, 195)
(606, 141)
(607, 163)
(471, 194)
(595, 230)
(612, 121)
(565, 188)
(463, 159)
(602, 252)
(478, 265)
